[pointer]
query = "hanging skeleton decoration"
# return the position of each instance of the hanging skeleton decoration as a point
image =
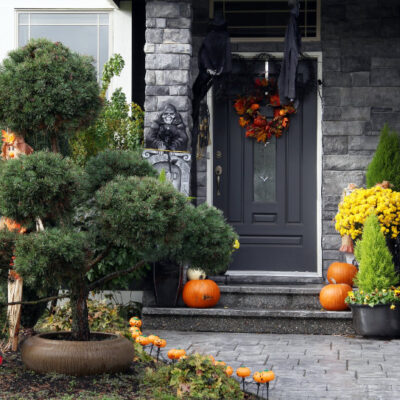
(287, 76)
(13, 147)
(214, 59)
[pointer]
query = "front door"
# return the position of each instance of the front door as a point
(269, 192)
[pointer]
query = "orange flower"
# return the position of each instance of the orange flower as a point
(243, 122)
(255, 106)
(240, 106)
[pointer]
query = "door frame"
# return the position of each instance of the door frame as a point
(317, 55)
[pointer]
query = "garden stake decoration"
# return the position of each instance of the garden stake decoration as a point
(263, 377)
(243, 372)
(13, 146)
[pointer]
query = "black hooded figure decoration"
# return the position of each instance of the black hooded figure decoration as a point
(214, 59)
(287, 76)
(168, 131)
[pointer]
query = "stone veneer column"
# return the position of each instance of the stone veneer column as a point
(168, 52)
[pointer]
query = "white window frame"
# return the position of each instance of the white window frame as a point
(108, 11)
(317, 38)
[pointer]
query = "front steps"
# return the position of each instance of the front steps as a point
(254, 309)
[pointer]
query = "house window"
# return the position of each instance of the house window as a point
(85, 33)
(267, 19)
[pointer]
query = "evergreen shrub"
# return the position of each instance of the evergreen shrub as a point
(385, 165)
(47, 91)
(376, 268)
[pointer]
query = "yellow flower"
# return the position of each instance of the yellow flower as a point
(236, 245)
(392, 307)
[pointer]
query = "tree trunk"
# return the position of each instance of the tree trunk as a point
(80, 321)
(54, 144)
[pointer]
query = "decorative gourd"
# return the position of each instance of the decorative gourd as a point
(133, 329)
(195, 274)
(243, 372)
(339, 272)
(135, 321)
(257, 377)
(143, 340)
(332, 296)
(136, 334)
(229, 370)
(201, 293)
(152, 338)
(267, 376)
(160, 343)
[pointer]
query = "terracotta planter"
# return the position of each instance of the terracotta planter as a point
(376, 322)
(106, 353)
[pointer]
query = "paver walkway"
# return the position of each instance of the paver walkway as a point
(306, 366)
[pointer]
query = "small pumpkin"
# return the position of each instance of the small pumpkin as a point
(171, 354)
(257, 377)
(160, 343)
(180, 353)
(135, 321)
(134, 329)
(332, 296)
(201, 293)
(243, 372)
(152, 338)
(220, 363)
(143, 340)
(229, 370)
(212, 359)
(267, 376)
(195, 274)
(339, 272)
(136, 334)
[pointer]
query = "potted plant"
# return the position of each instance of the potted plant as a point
(376, 304)
(137, 214)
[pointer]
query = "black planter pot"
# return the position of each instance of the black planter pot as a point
(167, 278)
(376, 322)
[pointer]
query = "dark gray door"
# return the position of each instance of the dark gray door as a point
(268, 192)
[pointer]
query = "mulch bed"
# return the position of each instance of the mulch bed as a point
(18, 383)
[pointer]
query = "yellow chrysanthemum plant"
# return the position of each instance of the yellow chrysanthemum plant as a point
(360, 203)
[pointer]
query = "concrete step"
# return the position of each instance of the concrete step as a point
(272, 279)
(248, 320)
(285, 297)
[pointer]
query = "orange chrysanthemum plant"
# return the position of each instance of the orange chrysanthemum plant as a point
(250, 117)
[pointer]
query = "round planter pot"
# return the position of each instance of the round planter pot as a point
(376, 322)
(104, 353)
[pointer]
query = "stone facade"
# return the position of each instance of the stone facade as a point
(168, 51)
(360, 45)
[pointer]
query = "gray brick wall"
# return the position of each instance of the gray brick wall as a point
(360, 43)
(168, 52)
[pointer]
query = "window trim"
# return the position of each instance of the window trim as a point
(256, 39)
(110, 25)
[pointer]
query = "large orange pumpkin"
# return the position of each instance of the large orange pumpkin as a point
(332, 296)
(201, 293)
(339, 272)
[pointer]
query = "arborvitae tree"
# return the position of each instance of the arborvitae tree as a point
(385, 165)
(375, 261)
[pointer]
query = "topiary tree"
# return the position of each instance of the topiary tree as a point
(47, 91)
(92, 215)
(375, 261)
(385, 165)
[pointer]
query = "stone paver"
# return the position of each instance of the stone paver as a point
(312, 367)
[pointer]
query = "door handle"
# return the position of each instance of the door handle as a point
(218, 173)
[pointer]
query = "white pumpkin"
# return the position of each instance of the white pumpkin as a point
(195, 273)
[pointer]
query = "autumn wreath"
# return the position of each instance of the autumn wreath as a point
(257, 125)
